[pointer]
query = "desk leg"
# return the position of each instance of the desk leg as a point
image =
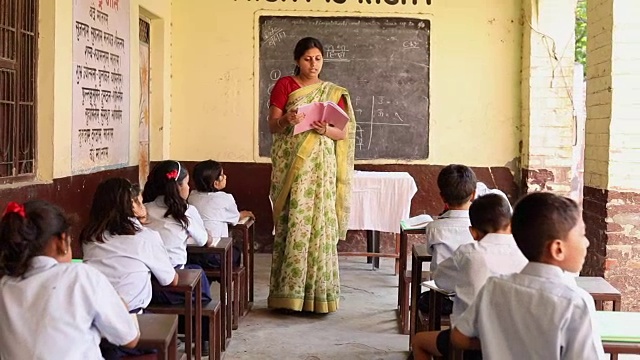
(198, 319)
(369, 245)
(173, 346)
(416, 272)
(251, 261)
(188, 325)
(402, 266)
(229, 265)
(397, 262)
(376, 249)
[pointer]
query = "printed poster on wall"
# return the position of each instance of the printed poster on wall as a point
(101, 115)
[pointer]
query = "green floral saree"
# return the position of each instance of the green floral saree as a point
(310, 188)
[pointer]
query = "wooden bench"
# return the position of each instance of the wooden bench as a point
(189, 284)
(158, 332)
(224, 274)
(247, 236)
(419, 256)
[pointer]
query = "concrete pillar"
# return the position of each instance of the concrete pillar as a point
(612, 148)
(548, 123)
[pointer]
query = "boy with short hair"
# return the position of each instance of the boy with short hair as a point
(493, 253)
(539, 313)
(457, 185)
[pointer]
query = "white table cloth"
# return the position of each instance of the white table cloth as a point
(380, 200)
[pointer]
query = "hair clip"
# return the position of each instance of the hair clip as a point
(172, 175)
(14, 207)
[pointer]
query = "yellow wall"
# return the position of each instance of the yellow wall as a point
(55, 76)
(475, 75)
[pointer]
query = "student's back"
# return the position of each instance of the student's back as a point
(539, 313)
(49, 307)
(60, 311)
(457, 184)
(494, 252)
(115, 243)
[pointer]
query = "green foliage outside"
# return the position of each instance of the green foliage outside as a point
(581, 33)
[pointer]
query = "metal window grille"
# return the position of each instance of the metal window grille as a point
(18, 56)
(144, 31)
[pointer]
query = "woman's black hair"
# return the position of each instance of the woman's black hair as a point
(26, 233)
(302, 46)
(162, 182)
(135, 190)
(111, 210)
(205, 173)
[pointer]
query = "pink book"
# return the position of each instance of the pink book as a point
(329, 111)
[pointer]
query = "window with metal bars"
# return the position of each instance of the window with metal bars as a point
(18, 56)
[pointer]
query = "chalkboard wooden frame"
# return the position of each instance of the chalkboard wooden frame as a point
(384, 62)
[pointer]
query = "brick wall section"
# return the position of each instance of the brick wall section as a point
(612, 148)
(547, 84)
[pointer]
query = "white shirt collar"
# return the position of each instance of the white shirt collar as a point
(497, 239)
(547, 271)
(39, 264)
(455, 214)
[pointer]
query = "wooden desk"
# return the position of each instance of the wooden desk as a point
(189, 284)
(248, 249)
(419, 255)
(405, 231)
(159, 332)
(222, 248)
(620, 331)
(601, 291)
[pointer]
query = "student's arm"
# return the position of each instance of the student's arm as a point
(464, 342)
(196, 228)
(580, 336)
(157, 259)
(447, 274)
(112, 319)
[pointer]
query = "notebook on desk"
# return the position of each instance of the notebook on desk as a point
(243, 220)
(618, 326)
(416, 222)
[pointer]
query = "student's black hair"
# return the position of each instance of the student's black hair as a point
(456, 184)
(540, 218)
(205, 173)
(135, 190)
(111, 210)
(302, 46)
(490, 213)
(162, 182)
(25, 233)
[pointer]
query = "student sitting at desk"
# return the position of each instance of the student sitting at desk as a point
(457, 185)
(51, 308)
(539, 313)
(217, 208)
(494, 253)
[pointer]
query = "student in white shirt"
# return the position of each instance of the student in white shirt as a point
(217, 208)
(539, 313)
(51, 308)
(178, 223)
(493, 253)
(457, 185)
(114, 242)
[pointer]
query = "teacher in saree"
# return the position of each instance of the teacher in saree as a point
(310, 188)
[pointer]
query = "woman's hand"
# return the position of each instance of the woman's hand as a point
(292, 117)
(245, 213)
(320, 126)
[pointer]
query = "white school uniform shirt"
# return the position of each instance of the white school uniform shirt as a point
(217, 209)
(472, 264)
(173, 235)
(539, 313)
(60, 311)
(128, 262)
(446, 233)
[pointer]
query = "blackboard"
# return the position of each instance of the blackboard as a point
(383, 62)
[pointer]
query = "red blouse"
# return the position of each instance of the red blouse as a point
(285, 86)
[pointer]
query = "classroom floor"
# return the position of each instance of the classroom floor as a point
(365, 326)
